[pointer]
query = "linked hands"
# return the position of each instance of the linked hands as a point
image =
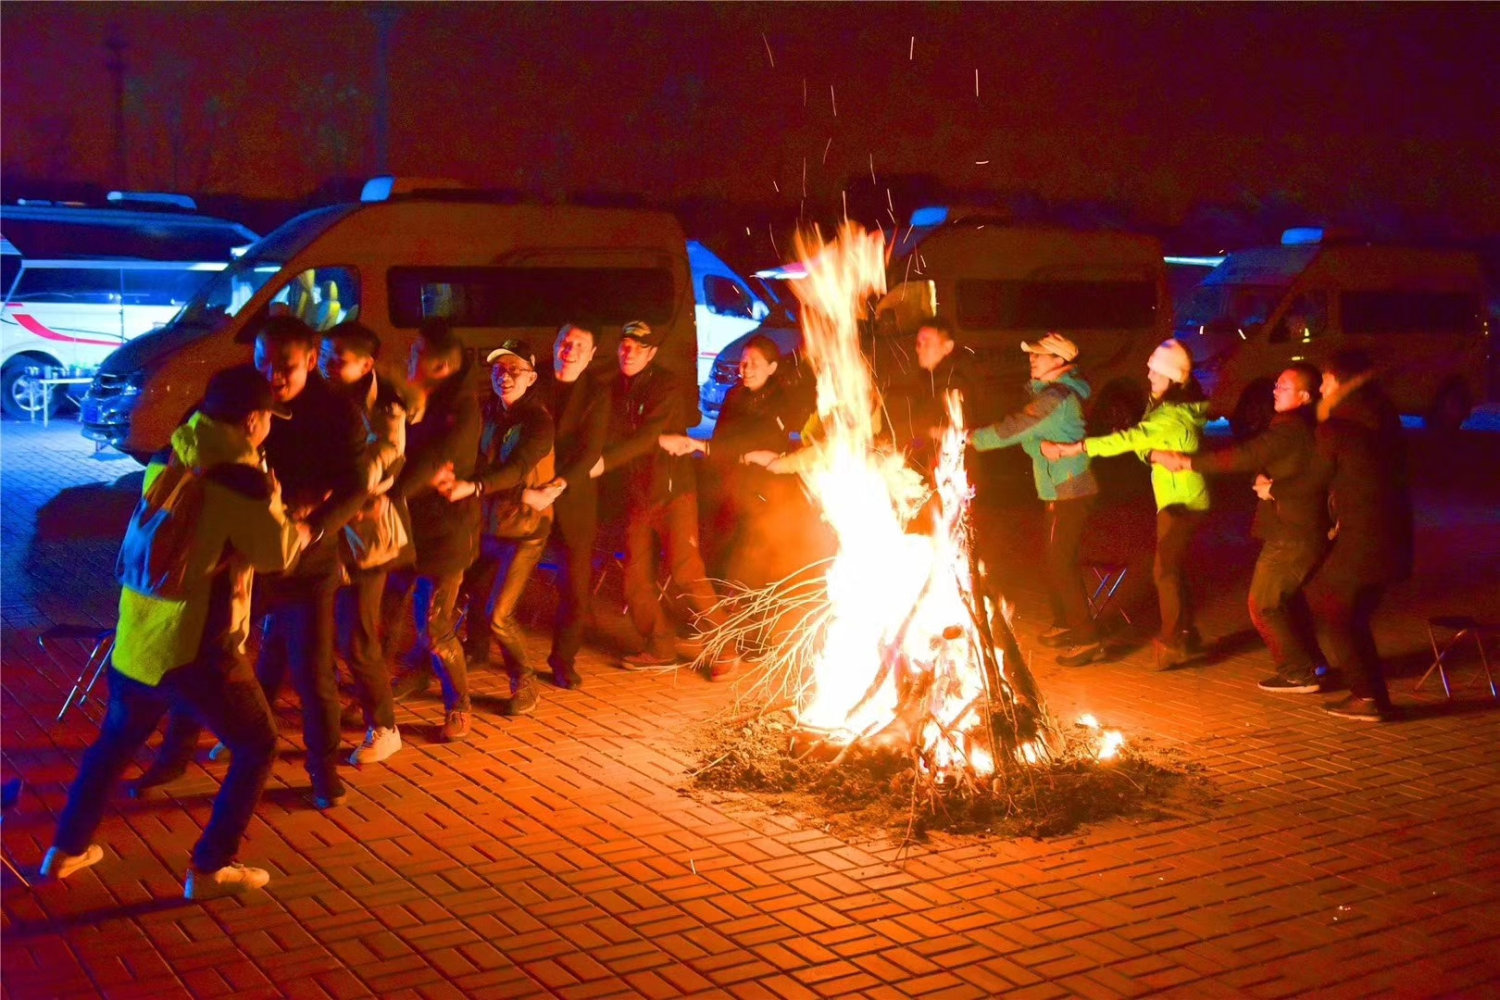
(1172, 461)
(1054, 450)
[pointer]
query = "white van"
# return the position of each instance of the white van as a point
(408, 250)
(1419, 313)
(78, 282)
(1002, 283)
(725, 308)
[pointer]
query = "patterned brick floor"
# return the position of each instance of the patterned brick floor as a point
(558, 855)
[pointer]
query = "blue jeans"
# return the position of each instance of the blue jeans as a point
(223, 695)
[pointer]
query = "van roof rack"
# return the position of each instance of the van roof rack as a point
(152, 199)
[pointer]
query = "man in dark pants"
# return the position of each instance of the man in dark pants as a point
(442, 443)
(661, 499)
(185, 571)
(1292, 524)
(580, 409)
(1066, 486)
(316, 454)
(1361, 459)
(347, 363)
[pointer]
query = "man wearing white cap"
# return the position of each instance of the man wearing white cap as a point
(1066, 486)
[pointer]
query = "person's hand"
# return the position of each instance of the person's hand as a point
(678, 444)
(1172, 461)
(762, 458)
(1262, 487)
(275, 488)
(459, 489)
(304, 534)
(538, 499)
(598, 469)
(444, 478)
(1054, 450)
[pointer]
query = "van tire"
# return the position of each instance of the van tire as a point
(1252, 414)
(1119, 405)
(12, 393)
(1449, 410)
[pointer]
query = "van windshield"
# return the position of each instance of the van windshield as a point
(1229, 307)
(222, 298)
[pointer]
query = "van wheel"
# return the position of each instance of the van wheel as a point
(19, 397)
(1252, 414)
(1450, 410)
(1118, 406)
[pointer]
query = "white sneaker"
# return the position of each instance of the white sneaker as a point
(59, 865)
(380, 742)
(219, 752)
(233, 877)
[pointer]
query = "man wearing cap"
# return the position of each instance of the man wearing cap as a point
(661, 496)
(515, 454)
(207, 519)
(442, 445)
(1066, 486)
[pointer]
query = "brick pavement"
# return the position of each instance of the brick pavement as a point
(558, 855)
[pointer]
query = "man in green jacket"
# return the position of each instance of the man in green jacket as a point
(208, 518)
(1173, 422)
(1066, 486)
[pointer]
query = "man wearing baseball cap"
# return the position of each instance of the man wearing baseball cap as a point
(1066, 486)
(208, 517)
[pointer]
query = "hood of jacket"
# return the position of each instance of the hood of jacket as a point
(1070, 378)
(203, 443)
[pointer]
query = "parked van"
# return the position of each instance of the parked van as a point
(1419, 313)
(78, 282)
(780, 324)
(1001, 284)
(408, 250)
(726, 306)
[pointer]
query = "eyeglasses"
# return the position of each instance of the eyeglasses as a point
(1285, 387)
(512, 371)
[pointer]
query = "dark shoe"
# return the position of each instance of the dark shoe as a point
(412, 682)
(647, 660)
(1280, 684)
(1081, 654)
(1169, 655)
(1056, 637)
(723, 667)
(327, 794)
(353, 717)
(456, 727)
(159, 773)
(566, 677)
(523, 696)
(1355, 707)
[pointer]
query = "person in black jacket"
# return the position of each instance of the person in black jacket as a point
(442, 444)
(661, 497)
(1361, 459)
(515, 453)
(918, 405)
(317, 455)
(580, 410)
(1290, 520)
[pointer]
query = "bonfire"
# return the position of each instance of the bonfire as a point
(897, 641)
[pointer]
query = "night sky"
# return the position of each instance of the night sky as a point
(1350, 109)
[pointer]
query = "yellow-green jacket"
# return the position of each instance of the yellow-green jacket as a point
(1165, 427)
(239, 527)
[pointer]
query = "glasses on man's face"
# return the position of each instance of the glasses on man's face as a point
(511, 372)
(1284, 387)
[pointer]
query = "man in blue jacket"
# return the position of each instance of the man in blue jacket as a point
(1066, 486)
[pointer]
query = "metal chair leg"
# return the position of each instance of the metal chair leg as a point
(1479, 641)
(93, 669)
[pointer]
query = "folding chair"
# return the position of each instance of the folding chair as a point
(100, 643)
(1460, 627)
(1107, 580)
(10, 793)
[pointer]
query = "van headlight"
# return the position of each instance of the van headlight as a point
(133, 383)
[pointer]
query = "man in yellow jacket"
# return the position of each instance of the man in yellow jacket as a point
(207, 519)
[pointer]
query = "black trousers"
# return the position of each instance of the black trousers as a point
(434, 602)
(222, 694)
(1276, 602)
(358, 617)
(1342, 610)
(574, 532)
(297, 640)
(675, 526)
(495, 584)
(1175, 527)
(1064, 524)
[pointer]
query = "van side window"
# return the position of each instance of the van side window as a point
(531, 296)
(726, 298)
(989, 304)
(1384, 312)
(1304, 321)
(321, 297)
